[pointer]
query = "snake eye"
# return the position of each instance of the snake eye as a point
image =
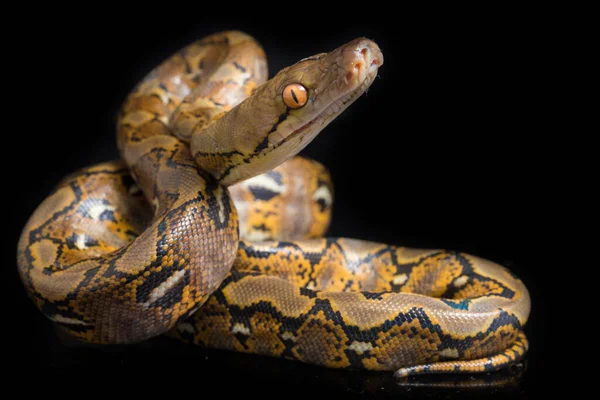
(295, 95)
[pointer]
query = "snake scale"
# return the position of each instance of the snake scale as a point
(210, 229)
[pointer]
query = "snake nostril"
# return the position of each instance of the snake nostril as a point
(354, 72)
(349, 76)
(357, 67)
(359, 62)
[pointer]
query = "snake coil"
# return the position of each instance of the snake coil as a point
(210, 230)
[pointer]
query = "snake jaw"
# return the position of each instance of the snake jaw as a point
(358, 63)
(352, 81)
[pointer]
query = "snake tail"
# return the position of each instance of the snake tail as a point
(505, 358)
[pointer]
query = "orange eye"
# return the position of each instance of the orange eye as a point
(295, 95)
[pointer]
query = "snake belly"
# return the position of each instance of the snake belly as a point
(128, 250)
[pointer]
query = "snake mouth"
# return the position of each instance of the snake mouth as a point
(357, 66)
(338, 79)
(337, 106)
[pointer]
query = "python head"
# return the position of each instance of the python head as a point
(285, 113)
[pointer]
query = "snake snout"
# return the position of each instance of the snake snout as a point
(362, 58)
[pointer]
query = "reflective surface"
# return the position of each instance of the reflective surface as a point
(258, 374)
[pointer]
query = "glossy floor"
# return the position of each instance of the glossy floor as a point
(165, 359)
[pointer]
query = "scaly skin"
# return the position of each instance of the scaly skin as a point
(293, 201)
(112, 261)
(142, 289)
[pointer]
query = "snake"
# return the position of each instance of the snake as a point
(210, 229)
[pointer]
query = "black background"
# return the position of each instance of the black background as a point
(439, 154)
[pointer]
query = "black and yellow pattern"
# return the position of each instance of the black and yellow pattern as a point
(292, 201)
(126, 250)
(348, 303)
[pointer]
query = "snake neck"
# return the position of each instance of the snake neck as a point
(208, 77)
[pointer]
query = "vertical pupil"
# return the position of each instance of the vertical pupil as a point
(294, 96)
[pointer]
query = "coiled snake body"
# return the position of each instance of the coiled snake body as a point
(127, 250)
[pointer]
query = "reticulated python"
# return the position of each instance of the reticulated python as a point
(127, 250)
